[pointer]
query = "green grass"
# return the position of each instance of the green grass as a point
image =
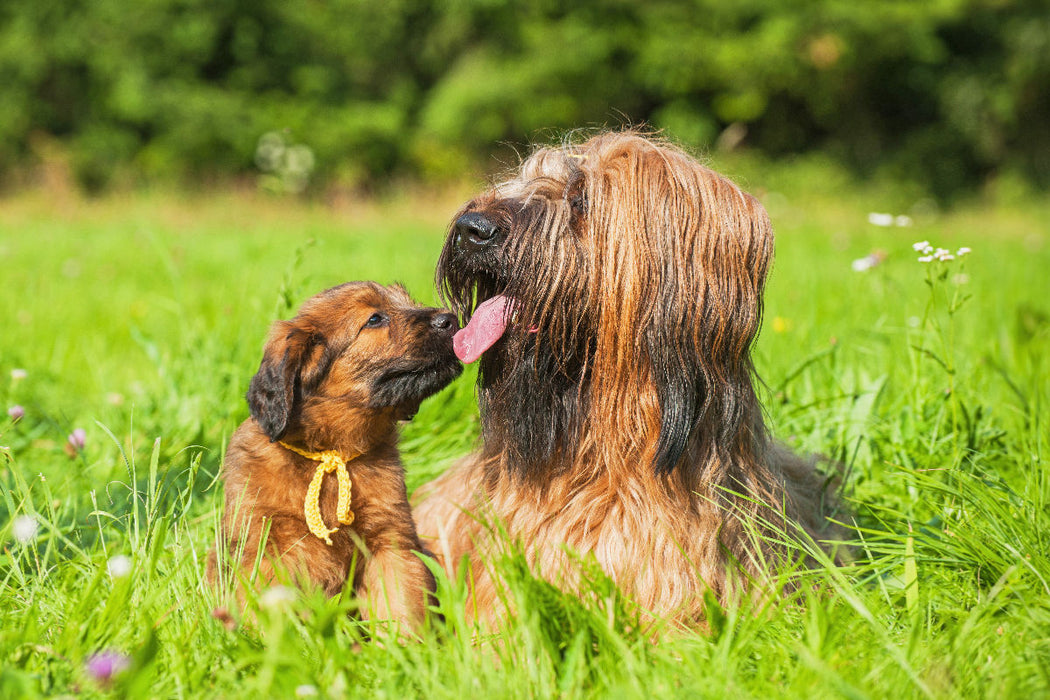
(142, 319)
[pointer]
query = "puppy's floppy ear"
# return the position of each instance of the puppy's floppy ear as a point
(293, 362)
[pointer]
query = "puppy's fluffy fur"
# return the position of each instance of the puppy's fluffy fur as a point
(339, 376)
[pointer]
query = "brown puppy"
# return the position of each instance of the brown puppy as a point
(336, 380)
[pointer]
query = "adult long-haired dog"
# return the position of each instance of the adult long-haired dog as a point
(314, 475)
(613, 291)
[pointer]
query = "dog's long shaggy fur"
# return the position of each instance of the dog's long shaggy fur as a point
(339, 376)
(618, 408)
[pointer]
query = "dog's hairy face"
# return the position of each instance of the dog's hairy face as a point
(630, 279)
(354, 350)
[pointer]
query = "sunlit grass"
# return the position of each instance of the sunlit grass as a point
(140, 320)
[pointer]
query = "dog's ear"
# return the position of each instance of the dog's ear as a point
(700, 335)
(680, 256)
(293, 363)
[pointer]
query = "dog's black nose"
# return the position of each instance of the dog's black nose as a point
(475, 232)
(444, 322)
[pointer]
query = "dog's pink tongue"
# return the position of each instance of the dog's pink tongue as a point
(486, 326)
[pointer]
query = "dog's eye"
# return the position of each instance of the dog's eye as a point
(575, 194)
(376, 320)
(579, 204)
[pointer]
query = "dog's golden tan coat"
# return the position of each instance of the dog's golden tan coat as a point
(619, 415)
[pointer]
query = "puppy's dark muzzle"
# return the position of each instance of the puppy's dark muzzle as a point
(475, 233)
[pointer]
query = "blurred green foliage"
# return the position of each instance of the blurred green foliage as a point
(943, 92)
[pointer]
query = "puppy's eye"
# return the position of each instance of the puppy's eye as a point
(376, 320)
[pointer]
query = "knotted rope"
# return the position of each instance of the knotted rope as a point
(330, 461)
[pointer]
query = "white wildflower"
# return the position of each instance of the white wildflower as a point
(24, 529)
(903, 220)
(929, 253)
(873, 259)
(18, 375)
(119, 566)
(276, 597)
(879, 219)
(305, 691)
(862, 264)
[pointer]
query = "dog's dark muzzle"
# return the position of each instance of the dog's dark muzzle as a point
(475, 233)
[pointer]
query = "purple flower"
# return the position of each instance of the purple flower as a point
(16, 412)
(106, 664)
(77, 439)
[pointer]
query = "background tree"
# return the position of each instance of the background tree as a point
(945, 93)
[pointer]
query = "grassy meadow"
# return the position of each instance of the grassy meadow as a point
(139, 320)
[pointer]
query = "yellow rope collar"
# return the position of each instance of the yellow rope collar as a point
(330, 461)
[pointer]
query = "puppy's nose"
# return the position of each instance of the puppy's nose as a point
(475, 232)
(444, 322)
